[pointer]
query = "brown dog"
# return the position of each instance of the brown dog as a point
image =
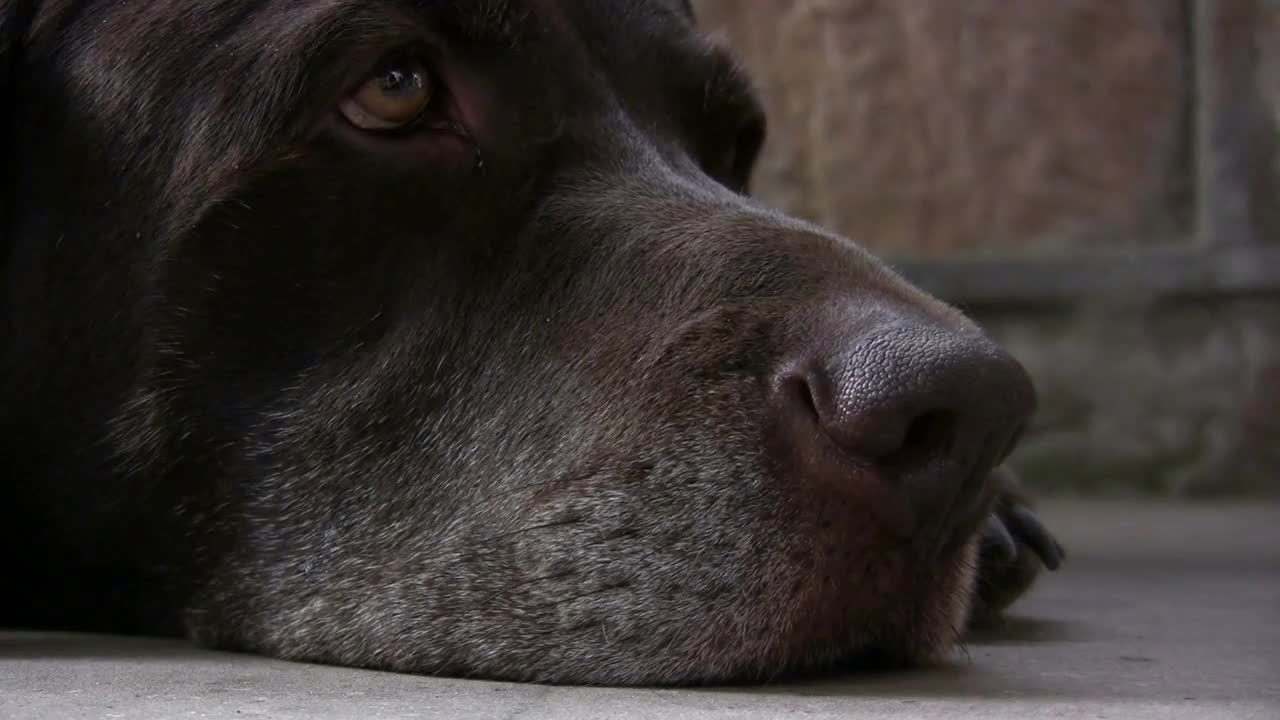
(440, 336)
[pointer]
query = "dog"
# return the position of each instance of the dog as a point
(443, 337)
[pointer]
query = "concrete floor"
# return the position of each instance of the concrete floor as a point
(1163, 612)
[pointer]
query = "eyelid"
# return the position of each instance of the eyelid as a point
(350, 107)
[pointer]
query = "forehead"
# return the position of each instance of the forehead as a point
(510, 21)
(108, 46)
(499, 23)
(487, 22)
(233, 76)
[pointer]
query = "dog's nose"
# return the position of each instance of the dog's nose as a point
(898, 398)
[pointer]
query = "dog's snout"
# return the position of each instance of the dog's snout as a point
(902, 399)
(901, 395)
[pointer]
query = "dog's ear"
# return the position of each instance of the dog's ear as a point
(15, 19)
(9, 19)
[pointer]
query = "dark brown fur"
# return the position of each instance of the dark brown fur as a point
(496, 408)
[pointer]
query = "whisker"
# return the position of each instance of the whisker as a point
(960, 641)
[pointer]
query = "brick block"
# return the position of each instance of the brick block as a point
(929, 127)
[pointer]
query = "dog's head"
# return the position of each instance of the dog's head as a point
(441, 336)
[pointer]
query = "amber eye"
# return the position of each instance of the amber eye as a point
(394, 95)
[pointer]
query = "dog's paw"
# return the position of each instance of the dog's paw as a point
(1015, 545)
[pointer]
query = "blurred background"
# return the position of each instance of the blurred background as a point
(1096, 181)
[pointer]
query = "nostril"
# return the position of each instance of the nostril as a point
(804, 392)
(798, 396)
(929, 436)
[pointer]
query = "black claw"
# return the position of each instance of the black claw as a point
(996, 536)
(1027, 527)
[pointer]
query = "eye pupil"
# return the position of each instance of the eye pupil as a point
(397, 81)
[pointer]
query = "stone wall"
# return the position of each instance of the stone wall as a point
(1127, 144)
(1169, 397)
(911, 124)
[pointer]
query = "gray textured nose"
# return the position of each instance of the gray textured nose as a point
(914, 391)
(904, 398)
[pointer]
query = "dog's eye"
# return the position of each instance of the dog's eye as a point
(393, 96)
